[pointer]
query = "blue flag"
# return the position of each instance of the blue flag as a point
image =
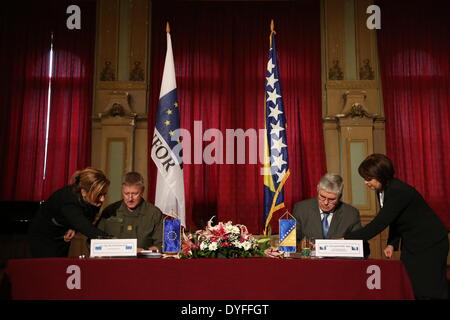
(171, 235)
(166, 145)
(276, 164)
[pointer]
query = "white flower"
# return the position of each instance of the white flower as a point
(237, 244)
(213, 246)
(203, 245)
(246, 245)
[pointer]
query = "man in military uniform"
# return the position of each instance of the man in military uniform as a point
(133, 217)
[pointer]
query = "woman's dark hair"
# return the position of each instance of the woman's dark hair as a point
(377, 166)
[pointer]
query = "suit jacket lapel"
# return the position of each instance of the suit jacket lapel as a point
(318, 219)
(337, 217)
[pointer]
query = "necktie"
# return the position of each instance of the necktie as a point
(325, 225)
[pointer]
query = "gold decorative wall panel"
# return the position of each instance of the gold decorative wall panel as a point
(115, 166)
(334, 14)
(357, 150)
(366, 43)
(139, 39)
(107, 39)
(352, 111)
(121, 87)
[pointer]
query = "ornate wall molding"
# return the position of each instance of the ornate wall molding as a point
(351, 84)
(335, 72)
(366, 72)
(137, 74)
(354, 105)
(118, 106)
(121, 85)
(107, 73)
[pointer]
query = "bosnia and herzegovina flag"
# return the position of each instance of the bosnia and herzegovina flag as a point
(288, 241)
(275, 147)
(166, 146)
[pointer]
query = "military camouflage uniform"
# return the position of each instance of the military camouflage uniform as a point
(145, 223)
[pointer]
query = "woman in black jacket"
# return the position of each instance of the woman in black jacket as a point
(424, 238)
(69, 209)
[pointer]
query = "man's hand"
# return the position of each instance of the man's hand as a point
(70, 234)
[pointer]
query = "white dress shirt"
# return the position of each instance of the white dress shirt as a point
(330, 216)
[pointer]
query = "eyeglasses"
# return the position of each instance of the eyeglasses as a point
(131, 194)
(330, 200)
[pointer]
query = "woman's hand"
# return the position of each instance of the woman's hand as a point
(388, 251)
(70, 234)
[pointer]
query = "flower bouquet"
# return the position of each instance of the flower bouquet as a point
(223, 240)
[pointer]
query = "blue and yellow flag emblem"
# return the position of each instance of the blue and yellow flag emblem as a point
(288, 241)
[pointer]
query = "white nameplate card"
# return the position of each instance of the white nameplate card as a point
(113, 247)
(339, 248)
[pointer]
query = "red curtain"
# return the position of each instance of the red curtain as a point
(69, 144)
(26, 36)
(24, 46)
(414, 49)
(220, 51)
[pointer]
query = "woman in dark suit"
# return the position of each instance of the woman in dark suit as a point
(69, 209)
(424, 238)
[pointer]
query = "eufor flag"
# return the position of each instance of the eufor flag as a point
(276, 164)
(171, 235)
(166, 146)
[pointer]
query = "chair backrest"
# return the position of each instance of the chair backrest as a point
(17, 215)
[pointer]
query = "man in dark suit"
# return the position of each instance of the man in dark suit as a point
(327, 217)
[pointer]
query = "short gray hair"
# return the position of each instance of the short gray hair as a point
(133, 179)
(331, 182)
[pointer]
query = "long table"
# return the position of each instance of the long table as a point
(207, 279)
